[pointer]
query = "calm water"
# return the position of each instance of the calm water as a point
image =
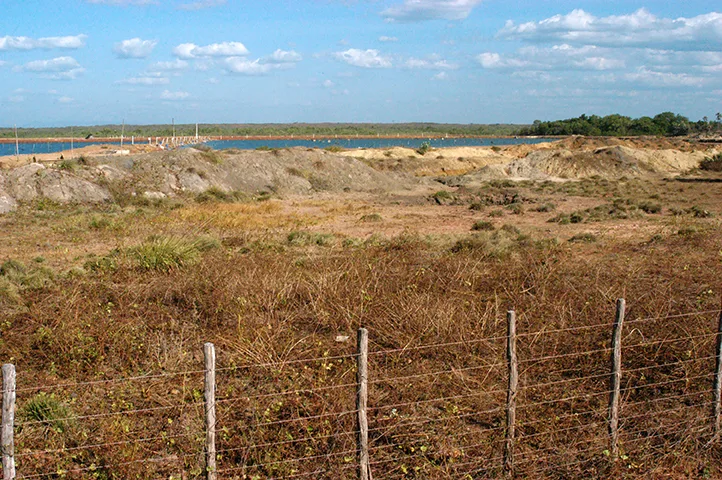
(47, 147)
(44, 147)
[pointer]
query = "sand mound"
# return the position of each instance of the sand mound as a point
(559, 163)
(435, 162)
(166, 174)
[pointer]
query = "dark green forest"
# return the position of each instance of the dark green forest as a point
(665, 124)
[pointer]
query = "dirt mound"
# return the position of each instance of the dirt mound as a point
(435, 162)
(615, 161)
(165, 174)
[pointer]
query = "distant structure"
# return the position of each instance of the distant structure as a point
(89, 136)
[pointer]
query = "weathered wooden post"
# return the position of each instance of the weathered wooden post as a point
(362, 403)
(513, 369)
(209, 353)
(8, 422)
(615, 380)
(717, 406)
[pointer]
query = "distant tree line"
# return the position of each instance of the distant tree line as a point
(271, 129)
(666, 124)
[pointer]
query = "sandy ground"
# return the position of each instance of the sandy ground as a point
(12, 161)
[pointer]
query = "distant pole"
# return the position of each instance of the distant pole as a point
(616, 380)
(8, 421)
(122, 133)
(209, 353)
(17, 147)
(718, 380)
(362, 377)
(173, 122)
(72, 145)
(513, 368)
(196, 132)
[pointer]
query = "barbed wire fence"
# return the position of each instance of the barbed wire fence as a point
(522, 404)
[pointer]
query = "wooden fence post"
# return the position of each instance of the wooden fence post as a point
(8, 421)
(513, 369)
(362, 392)
(718, 381)
(615, 380)
(209, 354)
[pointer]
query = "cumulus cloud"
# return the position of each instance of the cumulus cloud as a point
(176, 65)
(384, 38)
(364, 58)
(431, 63)
(201, 4)
(638, 29)
(168, 95)
(134, 48)
(225, 49)
(283, 56)
(66, 100)
(16, 98)
(146, 80)
(440, 76)
(557, 57)
(243, 66)
(59, 68)
(653, 78)
(420, 10)
(46, 43)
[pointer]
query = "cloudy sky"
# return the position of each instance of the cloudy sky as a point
(84, 62)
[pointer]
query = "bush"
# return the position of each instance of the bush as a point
(583, 238)
(166, 253)
(425, 147)
(371, 218)
(335, 148)
(47, 410)
(650, 207)
(712, 164)
(482, 225)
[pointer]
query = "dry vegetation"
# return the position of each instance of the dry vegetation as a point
(89, 294)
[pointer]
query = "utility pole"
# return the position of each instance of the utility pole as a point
(17, 147)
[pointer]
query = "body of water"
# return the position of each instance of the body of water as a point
(46, 147)
(350, 143)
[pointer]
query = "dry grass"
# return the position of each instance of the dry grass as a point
(281, 289)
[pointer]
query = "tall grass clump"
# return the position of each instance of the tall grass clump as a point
(167, 253)
(712, 164)
(47, 410)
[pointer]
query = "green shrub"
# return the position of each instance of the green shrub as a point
(215, 194)
(516, 208)
(425, 147)
(302, 238)
(699, 212)
(47, 410)
(496, 213)
(545, 208)
(167, 253)
(650, 207)
(335, 148)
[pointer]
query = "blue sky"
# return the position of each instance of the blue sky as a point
(80, 62)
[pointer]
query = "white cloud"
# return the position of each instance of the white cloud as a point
(46, 43)
(3, 63)
(328, 83)
(168, 95)
(652, 78)
(176, 65)
(16, 98)
(433, 63)
(225, 49)
(364, 58)
(440, 76)
(243, 66)
(557, 57)
(419, 10)
(146, 80)
(201, 4)
(58, 64)
(384, 38)
(66, 100)
(134, 48)
(639, 29)
(283, 56)
(60, 68)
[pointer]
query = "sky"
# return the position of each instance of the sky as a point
(91, 62)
